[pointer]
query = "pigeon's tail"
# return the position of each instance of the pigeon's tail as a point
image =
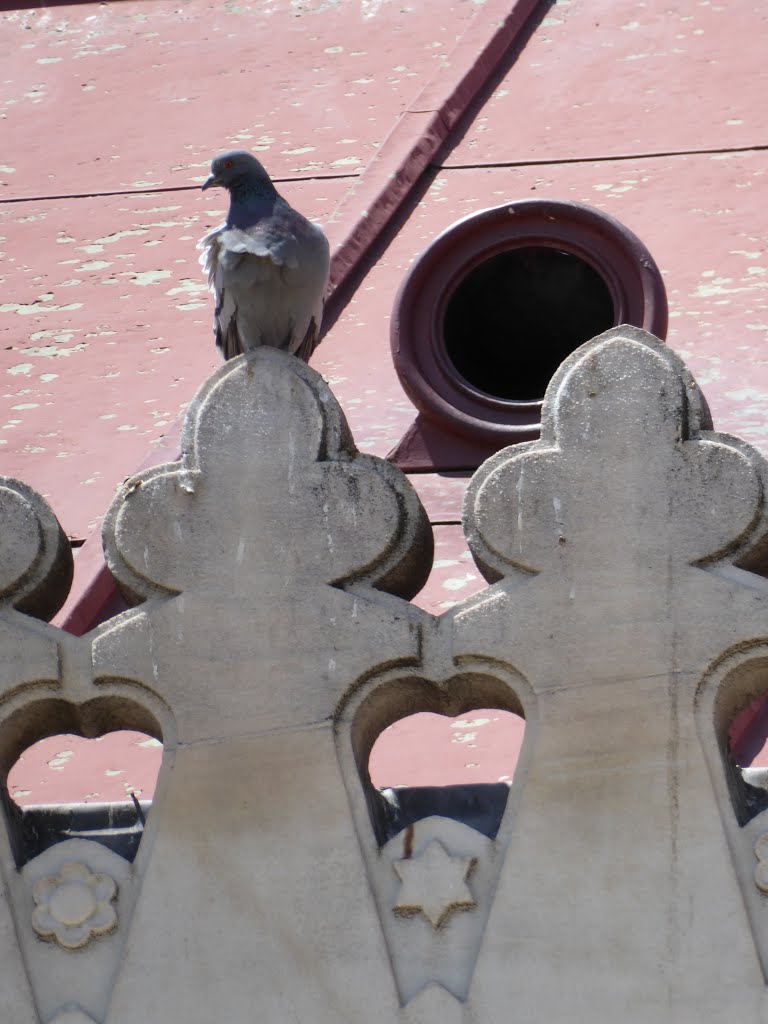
(309, 342)
(228, 340)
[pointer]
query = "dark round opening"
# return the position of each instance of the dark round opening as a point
(513, 319)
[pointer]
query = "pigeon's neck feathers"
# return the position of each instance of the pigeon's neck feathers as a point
(252, 186)
(250, 199)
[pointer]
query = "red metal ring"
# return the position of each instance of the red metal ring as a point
(425, 370)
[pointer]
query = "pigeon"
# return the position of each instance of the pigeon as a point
(267, 265)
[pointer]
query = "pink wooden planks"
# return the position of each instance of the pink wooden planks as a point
(136, 95)
(604, 78)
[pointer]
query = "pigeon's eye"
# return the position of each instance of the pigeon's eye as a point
(227, 164)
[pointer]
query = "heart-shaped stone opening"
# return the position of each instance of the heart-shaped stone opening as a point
(86, 771)
(421, 751)
(741, 725)
(748, 753)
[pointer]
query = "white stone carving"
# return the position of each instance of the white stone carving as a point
(36, 565)
(67, 895)
(271, 643)
(74, 906)
(420, 953)
(761, 870)
(434, 883)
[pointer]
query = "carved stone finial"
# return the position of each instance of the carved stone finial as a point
(626, 475)
(35, 555)
(270, 486)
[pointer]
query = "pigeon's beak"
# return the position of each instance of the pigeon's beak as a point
(209, 182)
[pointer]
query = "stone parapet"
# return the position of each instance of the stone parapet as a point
(271, 640)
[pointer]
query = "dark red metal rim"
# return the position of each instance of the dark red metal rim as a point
(426, 372)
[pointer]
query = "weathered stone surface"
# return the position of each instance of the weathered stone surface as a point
(283, 547)
(72, 948)
(271, 644)
(35, 555)
(35, 575)
(269, 484)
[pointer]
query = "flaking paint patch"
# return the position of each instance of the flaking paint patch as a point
(146, 277)
(54, 351)
(188, 286)
(457, 582)
(95, 265)
(38, 306)
(57, 335)
(745, 395)
(726, 286)
(117, 235)
(59, 762)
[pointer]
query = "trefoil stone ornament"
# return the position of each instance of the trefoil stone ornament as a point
(434, 883)
(74, 906)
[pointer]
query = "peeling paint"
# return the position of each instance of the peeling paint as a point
(55, 352)
(95, 265)
(146, 277)
(38, 306)
(117, 235)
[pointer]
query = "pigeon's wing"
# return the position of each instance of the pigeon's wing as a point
(233, 272)
(317, 284)
(269, 281)
(208, 246)
(306, 257)
(224, 314)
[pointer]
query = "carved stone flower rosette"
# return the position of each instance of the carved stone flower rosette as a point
(74, 906)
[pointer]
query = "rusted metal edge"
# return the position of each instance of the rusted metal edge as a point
(357, 223)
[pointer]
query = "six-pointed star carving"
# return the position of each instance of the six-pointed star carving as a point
(433, 883)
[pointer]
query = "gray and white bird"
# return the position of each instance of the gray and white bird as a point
(267, 265)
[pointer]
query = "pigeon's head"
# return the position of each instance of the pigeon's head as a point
(236, 169)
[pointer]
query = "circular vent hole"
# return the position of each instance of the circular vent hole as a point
(515, 317)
